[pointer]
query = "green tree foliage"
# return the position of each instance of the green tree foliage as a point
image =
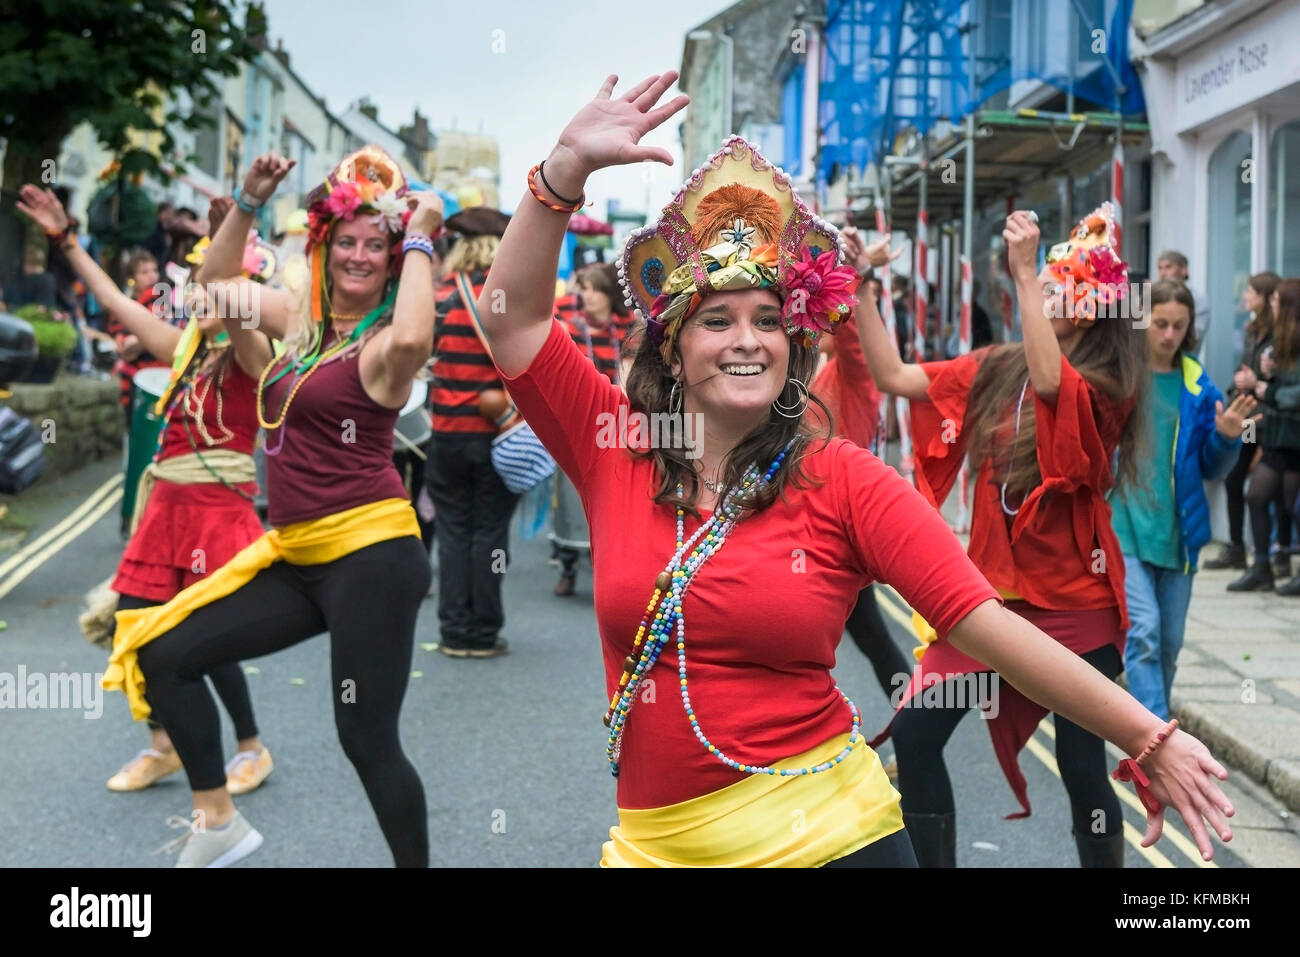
(115, 65)
(64, 62)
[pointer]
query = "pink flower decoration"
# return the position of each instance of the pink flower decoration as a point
(818, 294)
(343, 201)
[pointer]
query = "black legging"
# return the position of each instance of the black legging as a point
(229, 680)
(368, 601)
(892, 851)
(1234, 485)
(868, 630)
(1270, 482)
(921, 733)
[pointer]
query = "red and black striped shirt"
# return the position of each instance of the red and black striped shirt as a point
(461, 366)
(601, 346)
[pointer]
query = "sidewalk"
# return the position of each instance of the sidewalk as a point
(1238, 682)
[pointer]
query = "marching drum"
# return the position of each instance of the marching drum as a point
(145, 429)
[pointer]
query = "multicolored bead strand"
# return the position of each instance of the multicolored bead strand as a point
(664, 615)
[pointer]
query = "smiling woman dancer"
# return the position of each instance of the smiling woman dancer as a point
(344, 553)
(739, 279)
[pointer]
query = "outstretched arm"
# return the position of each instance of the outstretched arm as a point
(517, 302)
(890, 372)
(1182, 770)
(156, 335)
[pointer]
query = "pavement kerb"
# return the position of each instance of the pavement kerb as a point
(1280, 776)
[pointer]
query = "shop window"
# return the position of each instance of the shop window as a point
(1228, 259)
(1284, 201)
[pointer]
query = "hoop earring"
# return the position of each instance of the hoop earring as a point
(675, 394)
(792, 411)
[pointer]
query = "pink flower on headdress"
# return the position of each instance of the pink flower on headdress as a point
(817, 294)
(1109, 272)
(343, 201)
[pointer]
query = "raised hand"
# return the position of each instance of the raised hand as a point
(44, 207)
(1021, 237)
(607, 131)
(1182, 773)
(218, 208)
(265, 175)
(426, 212)
(1231, 422)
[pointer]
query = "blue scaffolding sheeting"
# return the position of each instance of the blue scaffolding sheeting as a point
(893, 65)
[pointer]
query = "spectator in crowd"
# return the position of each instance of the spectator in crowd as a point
(1163, 520)
(1257, 336)
(1279, 437)
(1171, 264)
(472, 506)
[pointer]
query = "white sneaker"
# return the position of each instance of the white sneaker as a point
(213, 847)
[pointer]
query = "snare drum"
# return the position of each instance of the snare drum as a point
(414, 423)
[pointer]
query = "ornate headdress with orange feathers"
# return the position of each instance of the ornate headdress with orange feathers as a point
(737, 224)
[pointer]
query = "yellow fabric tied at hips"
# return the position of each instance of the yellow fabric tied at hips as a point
(315, 542)
(767, 820)
(926, 634)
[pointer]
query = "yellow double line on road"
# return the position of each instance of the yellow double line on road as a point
(893, 605)
(45, 546)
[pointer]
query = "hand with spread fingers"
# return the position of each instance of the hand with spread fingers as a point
(608, 130)
(1231, 422)
(1183, 775)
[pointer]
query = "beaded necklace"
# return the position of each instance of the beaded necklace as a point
(304, 367)
(663, 614)
(185, 387)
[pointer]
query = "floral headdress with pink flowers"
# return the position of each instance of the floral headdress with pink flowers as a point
(737, 224)
(1092, 276)
(369, 182)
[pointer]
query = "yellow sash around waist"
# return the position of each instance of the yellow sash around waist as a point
(926, 634)
(302, 543)
(767, 820)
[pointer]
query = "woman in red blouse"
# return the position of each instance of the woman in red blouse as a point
(1040, 420)
(716, 757)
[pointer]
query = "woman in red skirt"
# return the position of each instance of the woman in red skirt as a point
(195, 507)
(1040, 421)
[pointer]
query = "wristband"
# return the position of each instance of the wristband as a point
(244, 204)
(418, 241)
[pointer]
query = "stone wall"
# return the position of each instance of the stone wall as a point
(80, 420)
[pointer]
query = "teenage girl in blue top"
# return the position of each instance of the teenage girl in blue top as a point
(1163, 521)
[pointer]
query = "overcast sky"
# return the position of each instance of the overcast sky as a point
(439, 57)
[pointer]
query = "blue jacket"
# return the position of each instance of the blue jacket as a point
(1200, 454)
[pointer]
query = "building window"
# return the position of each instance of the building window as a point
(1284, 200)
(1228, 253)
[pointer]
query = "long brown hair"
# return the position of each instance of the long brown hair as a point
(1261, 324)
(1286, 324)
(1112, 356)
(649, 385)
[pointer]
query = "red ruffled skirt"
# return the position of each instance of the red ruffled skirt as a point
(186, 532)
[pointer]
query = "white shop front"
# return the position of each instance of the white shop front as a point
(1222, 87)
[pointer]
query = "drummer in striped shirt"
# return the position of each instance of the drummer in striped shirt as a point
(598, 321)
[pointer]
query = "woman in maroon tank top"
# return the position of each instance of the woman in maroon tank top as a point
(358, 326)
(195, 518)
